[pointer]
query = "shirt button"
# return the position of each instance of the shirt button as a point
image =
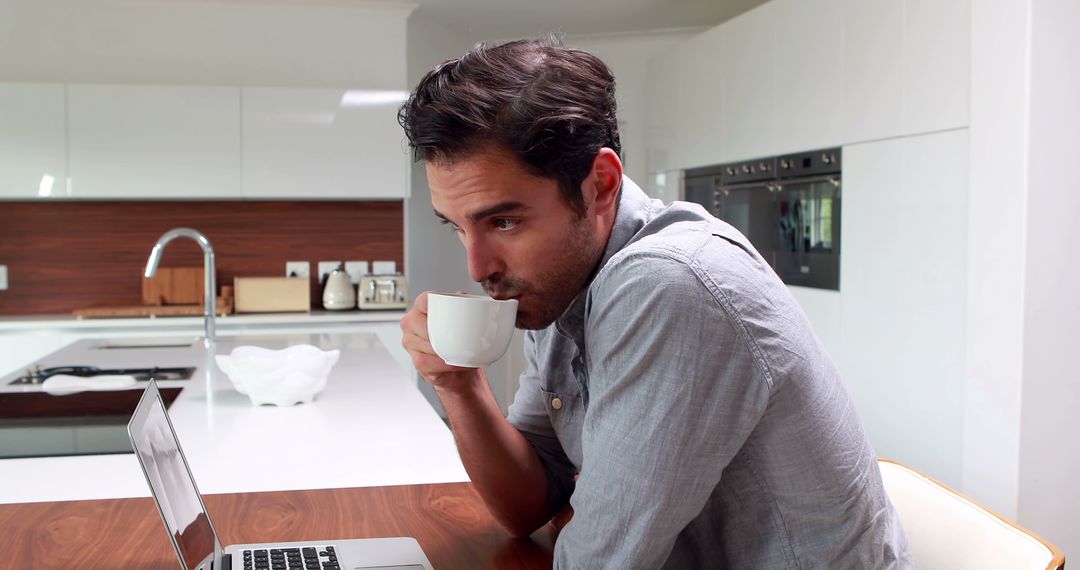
(556, 404)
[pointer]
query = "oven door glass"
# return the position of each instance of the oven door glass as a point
(702, 190)
(807, 231)
(751, 210)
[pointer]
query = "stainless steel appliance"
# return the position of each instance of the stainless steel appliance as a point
(37, 375)
(38, 423)
(788, 206)
(382, 292)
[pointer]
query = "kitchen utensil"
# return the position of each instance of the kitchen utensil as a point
(338, 294)
(66, 383)
(382, 292)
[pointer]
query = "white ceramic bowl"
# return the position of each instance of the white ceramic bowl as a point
(281, 377)
(470, 330)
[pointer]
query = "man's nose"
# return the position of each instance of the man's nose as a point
(483, 260)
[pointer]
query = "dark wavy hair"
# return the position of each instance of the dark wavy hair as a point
(551, 106)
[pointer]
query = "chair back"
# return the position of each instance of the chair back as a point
(949, 531)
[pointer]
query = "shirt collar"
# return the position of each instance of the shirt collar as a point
(634, 211)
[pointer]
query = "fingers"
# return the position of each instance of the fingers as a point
(415, 340)
(421, 303)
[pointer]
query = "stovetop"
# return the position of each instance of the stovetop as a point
(38, 375)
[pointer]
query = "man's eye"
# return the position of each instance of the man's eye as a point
(504, 224)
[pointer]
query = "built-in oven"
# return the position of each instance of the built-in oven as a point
(788, 206)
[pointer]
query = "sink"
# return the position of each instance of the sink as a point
(135, 344)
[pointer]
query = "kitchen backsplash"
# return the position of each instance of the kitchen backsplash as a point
(63, 256)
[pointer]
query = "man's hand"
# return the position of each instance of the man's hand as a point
(502, 465)
(414, 328)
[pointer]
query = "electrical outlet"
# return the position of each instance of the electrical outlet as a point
(383, 267)
(297, 269)
(356, 270)
(325, 267)
(3, 278)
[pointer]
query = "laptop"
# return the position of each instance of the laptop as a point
(192, 533)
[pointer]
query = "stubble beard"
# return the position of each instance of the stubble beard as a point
(545, 299)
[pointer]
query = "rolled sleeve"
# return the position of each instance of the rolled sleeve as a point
(529, 414)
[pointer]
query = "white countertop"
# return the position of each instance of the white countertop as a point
(67, 321)
(369, 427)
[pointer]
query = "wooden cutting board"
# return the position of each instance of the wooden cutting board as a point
(224, 307)
(174, 286)
(171, 292)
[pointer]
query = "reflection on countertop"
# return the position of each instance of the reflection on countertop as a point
(370, 426)
(67, 321)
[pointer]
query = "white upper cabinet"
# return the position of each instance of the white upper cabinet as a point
(808, 75)
(937, 65)
(873, 69)
(142, 141)
(747, 48)
(907, 67)
(33, 161)
(685, 104)
(323, 143)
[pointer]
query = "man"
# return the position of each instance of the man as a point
(676, 396)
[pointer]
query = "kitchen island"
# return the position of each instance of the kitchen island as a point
(369, 427)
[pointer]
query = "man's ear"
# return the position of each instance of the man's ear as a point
(606, 178)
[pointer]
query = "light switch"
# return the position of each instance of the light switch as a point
(3, 278)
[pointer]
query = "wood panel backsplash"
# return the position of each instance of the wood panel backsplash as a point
(63, 256)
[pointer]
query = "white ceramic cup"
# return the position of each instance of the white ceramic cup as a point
(470, 330)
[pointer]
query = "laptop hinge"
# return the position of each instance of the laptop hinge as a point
(226, 562)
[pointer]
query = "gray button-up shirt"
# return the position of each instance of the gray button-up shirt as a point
(709, 427)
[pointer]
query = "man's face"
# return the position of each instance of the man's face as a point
(522, 239)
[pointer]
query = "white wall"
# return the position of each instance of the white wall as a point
(1049, 457)
(625, 55)
(207, 42)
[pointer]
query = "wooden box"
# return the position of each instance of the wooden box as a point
(272, 294)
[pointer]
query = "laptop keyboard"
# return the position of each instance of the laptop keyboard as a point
(307, 558)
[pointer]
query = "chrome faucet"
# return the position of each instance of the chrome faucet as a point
(209, 287)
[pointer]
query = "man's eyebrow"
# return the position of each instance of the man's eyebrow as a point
(500, 208)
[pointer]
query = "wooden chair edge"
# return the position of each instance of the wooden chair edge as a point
(1057, 560)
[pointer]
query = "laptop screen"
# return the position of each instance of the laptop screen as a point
(171, 483)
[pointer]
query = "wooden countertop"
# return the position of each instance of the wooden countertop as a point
(449, 520)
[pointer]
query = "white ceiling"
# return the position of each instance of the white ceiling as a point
(503, 19)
